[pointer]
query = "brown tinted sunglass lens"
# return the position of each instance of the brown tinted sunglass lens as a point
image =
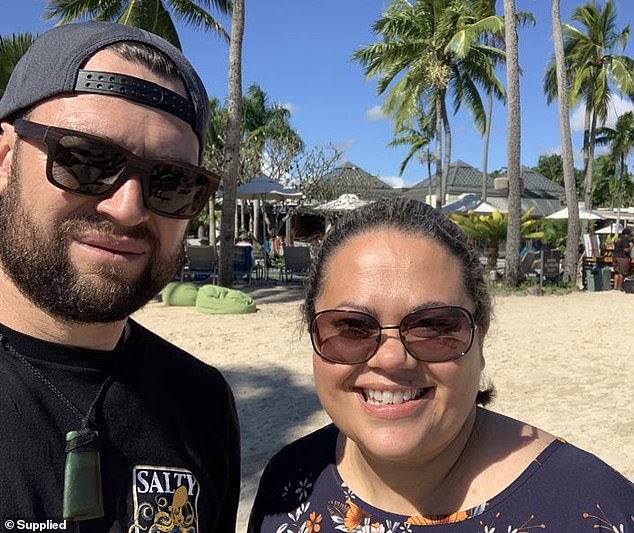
(176, 190)
(86, 166)
(437, 334)
(345, 336)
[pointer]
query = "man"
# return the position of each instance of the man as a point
(103, 423)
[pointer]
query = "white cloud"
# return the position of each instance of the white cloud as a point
(553, 150)
(292, 108)
(375, 113)
(344, 145)
(395, 181)
(616, 108)
(577, 119)
(577, 154)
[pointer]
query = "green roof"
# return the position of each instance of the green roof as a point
(463, 178)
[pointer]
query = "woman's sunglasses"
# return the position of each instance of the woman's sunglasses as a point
(432, 335)
(91, 166)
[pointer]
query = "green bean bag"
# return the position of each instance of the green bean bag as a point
(180, 293)
(216, 300)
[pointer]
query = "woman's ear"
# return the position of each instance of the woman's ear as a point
(7, 144)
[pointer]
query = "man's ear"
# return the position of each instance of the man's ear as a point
(7, 144)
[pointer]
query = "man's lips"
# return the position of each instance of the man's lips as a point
(114, 244)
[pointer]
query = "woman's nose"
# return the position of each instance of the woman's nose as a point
(391, 353)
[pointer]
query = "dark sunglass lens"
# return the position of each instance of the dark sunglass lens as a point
(86, 166)
(345, 337)
(436, 334)
(177, 191)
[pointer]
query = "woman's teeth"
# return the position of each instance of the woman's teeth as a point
(387, 397)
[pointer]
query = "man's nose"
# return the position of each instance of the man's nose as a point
(125, 206)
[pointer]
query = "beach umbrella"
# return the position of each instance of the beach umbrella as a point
(614, 229)
(264, 188)
(468, 202)
(346, 202)
(584, 214)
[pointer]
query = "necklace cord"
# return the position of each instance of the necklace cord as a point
(85, 418)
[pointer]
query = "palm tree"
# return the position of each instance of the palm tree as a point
(433, 47)
(12, 48)
(594, 64)
(513, 145)
(491, 230)
(621, 142)
(263, 121)
(232, 148)
(483, 9)
(152, 15)
(418, 140)
(572, 239)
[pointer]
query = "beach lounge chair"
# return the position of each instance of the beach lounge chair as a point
(296, 262)
(243, 263)
(201, 263)
(528, 265)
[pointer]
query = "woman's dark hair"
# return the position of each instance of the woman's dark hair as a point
(418, 219)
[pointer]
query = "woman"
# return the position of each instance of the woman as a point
(621, 258)
(398, 311)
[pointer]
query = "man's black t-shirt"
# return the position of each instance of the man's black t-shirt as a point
(167, 423)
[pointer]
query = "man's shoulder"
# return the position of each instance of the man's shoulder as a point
(167, 358)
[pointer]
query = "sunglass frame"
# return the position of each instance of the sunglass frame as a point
(51, 136)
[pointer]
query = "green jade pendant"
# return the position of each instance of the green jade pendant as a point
(83, 495)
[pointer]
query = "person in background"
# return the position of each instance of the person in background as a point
(621, 257)
(398, 311)
(103, 423)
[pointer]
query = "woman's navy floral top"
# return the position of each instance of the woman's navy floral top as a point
(564, 490)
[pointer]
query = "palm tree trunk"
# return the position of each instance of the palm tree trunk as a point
(438, 155)
(447, 161)
(212, 223)
(513, 145)
(572, 238)
(485, 149)
(590, 165)
(620, 191)
(429, 173)
(231, 165)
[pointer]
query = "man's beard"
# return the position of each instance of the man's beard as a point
(37, 260)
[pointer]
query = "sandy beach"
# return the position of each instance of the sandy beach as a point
(563, 363)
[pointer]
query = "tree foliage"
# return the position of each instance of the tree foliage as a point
(12, 48)
(156, 16)
(429, 49)
(595, 66)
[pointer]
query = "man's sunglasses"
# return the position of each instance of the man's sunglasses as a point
(432, 335)
(92, 166)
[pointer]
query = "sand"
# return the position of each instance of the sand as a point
(563, 363)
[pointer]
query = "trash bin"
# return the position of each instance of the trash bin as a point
(598, 279)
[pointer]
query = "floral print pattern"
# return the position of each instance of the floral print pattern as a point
(542, 498)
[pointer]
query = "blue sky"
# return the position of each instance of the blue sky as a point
(299, 53)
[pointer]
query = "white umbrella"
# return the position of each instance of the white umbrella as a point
(264, 188)
(584, 214)
(346, 202)
(611, 229)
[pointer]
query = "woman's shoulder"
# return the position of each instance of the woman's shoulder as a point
(529, 450)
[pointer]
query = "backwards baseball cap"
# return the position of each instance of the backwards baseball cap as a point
(52, 66)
